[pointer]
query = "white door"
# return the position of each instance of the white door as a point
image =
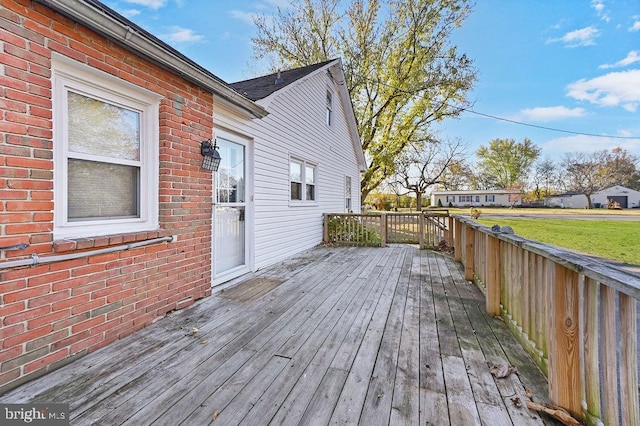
(230, 212)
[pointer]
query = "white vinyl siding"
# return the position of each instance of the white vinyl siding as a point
(475, 198)
(105, 154)
(296, 128)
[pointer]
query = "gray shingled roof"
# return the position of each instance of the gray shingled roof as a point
(261, 87)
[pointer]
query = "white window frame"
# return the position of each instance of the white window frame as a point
(303, 181)
(68, 76)
(329, 114)
(348, 206)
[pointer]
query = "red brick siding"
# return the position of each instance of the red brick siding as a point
(51, 312)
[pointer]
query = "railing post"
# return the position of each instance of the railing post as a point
(628, 360)
(493, 283)
(565, 387)
(421, 230)
(325, 232)
(591, 361)
(383, 230)
(469, 254)
(457, 241)
(448, 236)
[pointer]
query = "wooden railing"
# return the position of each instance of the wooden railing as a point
(577, 317)
(428, 229)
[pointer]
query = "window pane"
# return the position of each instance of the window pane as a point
(230, 177)
(311, 192)
(99, 128)
(102, 190)
(295, 171)
(309, 174)
(296, 191)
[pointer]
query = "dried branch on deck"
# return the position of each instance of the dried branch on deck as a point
(555, 412)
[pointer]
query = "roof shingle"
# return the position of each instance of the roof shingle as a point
(261, 87)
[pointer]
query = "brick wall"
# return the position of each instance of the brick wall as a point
(52, 313)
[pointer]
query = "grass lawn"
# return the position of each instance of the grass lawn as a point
(612, 239)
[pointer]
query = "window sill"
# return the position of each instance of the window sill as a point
(303, 204)
(72, 244)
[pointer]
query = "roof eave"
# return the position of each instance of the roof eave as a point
(137, 41)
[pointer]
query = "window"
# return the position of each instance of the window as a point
(490, 198)
(309, 177)
(105, 154)
(347, 194)
(302, 177)
(477, 198)
(465, 198)
(295, 176)
(329, 107)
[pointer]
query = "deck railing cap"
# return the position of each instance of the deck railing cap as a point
(586, 265)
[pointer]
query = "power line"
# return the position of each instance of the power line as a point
(521, 123)
(548, 128)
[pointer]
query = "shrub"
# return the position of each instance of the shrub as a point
(351, 230)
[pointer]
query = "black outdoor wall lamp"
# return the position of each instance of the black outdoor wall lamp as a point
(210, 156)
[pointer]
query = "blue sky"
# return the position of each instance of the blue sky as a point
(565, 64)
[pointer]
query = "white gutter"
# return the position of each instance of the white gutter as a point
(37, 260)
(98, 17)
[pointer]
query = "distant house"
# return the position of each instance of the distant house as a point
(108, 219)
(624, 197)
(479, 198)
(303, 159)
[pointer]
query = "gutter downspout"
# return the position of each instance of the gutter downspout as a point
(37, 260)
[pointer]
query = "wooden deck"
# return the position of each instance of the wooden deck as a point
(369, 336)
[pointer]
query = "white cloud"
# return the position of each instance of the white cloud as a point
(631, 58)
(130, 13)
(246, 17)
(283, 4)
(551, 113)
(613, 89)
(584, 143)
(182, 35)
(582, 37)
(152, 4)
(598, 6)
(635, 27)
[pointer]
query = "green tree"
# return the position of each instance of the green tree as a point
(508, 161)
(402, 71)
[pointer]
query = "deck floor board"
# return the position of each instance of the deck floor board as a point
(337, 335)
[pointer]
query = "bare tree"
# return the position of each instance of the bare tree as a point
(418, 169)
(458, 176)
(620, 167)
(589, 173)
(545, 178)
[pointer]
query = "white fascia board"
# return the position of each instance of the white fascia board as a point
(143, 43)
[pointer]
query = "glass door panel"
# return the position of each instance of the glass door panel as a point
(230, 207)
